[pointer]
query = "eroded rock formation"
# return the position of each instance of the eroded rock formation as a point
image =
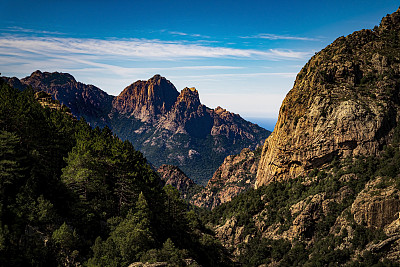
(345, 102)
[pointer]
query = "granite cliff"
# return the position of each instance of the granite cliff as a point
(236, 175)
(328, 181)
(168, 126)
(345, 102)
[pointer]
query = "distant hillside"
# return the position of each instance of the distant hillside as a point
(168, 126)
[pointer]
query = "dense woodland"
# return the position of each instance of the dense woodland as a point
(71, 195)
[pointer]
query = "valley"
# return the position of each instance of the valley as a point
(152, 177)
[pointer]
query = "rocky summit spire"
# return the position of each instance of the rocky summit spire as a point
(189, 98)
(145, 100)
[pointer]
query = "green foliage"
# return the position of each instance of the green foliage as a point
(67, 241)
(263, 251)
(168, 253)
(129, 239)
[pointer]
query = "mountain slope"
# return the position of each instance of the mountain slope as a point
(328, 182)
(345, 102)
(167, 126)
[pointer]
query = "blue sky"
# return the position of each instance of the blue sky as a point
(241, 55)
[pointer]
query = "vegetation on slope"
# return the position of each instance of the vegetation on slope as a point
(319, 244)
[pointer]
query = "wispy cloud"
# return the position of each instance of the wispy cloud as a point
(16, 29)
(244, 75)
(188, 34)
(270, 36)
(135, 48)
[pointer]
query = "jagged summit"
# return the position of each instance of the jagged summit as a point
(146, 100)
(189, 97)
(52, 78)
(345, 102)
(391, 21)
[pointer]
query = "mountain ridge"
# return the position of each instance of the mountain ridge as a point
(168, 126)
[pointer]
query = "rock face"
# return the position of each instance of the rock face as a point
(236, 175)
(167, 126)
(172, 175)
(328, 181)
(377, 205)
(146, 100)
(345, 102)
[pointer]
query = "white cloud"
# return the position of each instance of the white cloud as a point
(134, 49)
(270, 36)
(244, 75)
(17, 29)
(188, 34)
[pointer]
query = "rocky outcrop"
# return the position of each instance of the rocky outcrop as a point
(146, 100)
(236, 175)
(231, 235)
(188, 116)
(378, 205)
(172, 175)
(345, 102)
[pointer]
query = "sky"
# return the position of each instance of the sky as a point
(240, 55)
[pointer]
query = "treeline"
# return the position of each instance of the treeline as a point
(71, 195)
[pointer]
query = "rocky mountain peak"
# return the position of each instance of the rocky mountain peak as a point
(82, 99)
(391, 21)
(145, 100)
(48, 78)
(218, 110)
(345, 102)
(189, 96)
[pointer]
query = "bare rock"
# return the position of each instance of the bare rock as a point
(345, 102)
(236, 175)
(377, 205)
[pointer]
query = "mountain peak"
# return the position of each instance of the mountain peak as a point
(190, 98)
(53, 78)
(391, 21)
(157, 77)
(344, 103)
(191, 92)
(146, 100)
